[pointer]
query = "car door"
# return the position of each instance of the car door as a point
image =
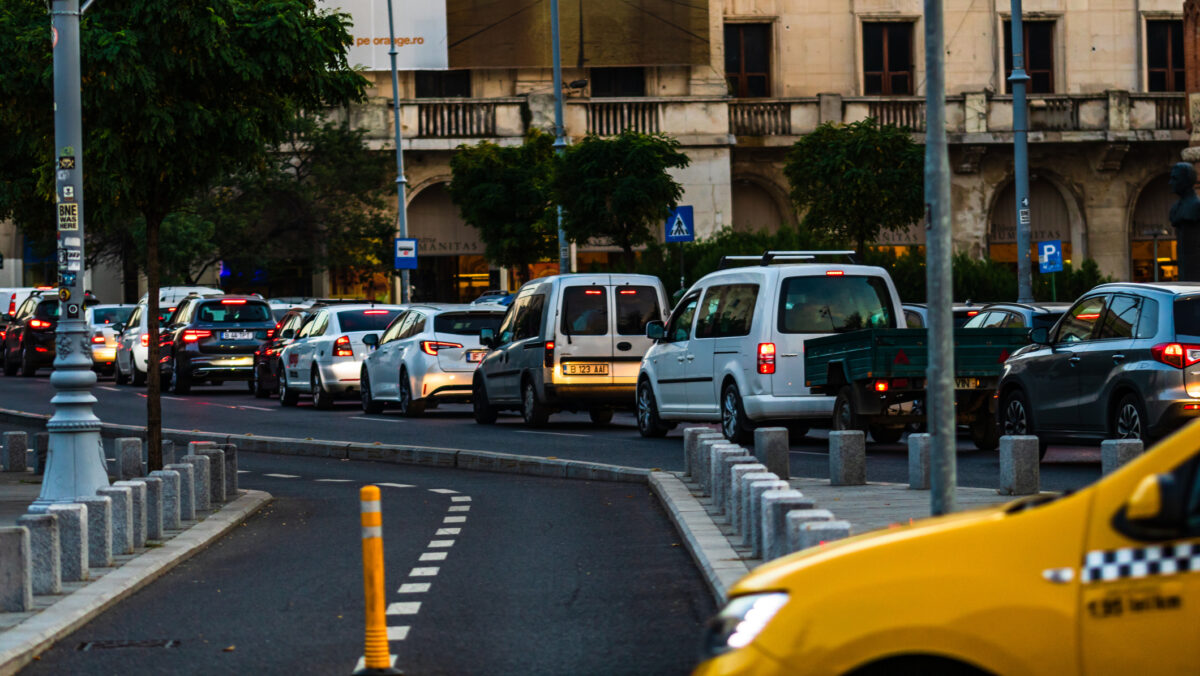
(408, 345)
(383, 363)
(671, 356)
(725, 315)
(635, 306)
(1053, 374)
(585, 340)
(1105, 359)
(300, 353)
(528, 349)
(127, 339)
(503, 378)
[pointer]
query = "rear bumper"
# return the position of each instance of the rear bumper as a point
(1174, 416)
(341, 376)
(771, 407)
(219, 366)
(618, 395)
(444, 386)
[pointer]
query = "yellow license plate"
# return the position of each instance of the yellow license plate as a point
(966, 383)
(585, 369)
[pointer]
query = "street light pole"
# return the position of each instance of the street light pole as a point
(75, 465)
(401, 182)
(560, 134)
(1021, 157)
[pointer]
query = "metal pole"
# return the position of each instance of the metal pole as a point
(1021, 157)
(943, 475)
(401, 182)
(75, 465)
(560, 135)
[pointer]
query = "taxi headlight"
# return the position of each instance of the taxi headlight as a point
(740, 621)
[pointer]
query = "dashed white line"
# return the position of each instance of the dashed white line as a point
(433, 556)
(362, 663)
(459, 508)
(461, 498)
(404, 608)
(446, 491)
(395, 485)
(454, 519)
(283, 476)
(388, 420)
(397, 633)
(244, 471)
(334, 481)
(555, 434)
(434, 544)
(105, 387)
(424, 572)
(258, 408)
(413, 588)
(448, 531)
(173, 398)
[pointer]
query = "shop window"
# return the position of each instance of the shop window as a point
(618, 82)
(887, 58)
(443, 84)
(1164, 56)
(748, 59)
(1038, 37)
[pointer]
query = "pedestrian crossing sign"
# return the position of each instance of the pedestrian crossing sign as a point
(681, 226)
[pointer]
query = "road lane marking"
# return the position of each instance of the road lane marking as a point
(105, 387)
(440, 543)
(363, 417)
(395, 485)
(433, 556)
(334, 481)
(404, 608)
(258, 408)
(448, 531)
(424, 572)
(446, 491)
(461, 498)
(180, 399)
(413, 588)
(244, 471)
(283, 476)
(556, 434)
(397, 633)
(459, 508)
(362, 663)
(454, 519)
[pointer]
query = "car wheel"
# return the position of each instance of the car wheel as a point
(736, 427)
(287, 395)
(369, 405)
(649, 424)
(28, 368)
(1017, 419)
(119, 375)
(321, 398)
(408, 406)
(886, 435)
(601, 416)
(1129, 419)
(985, 433)
(179, 383)
(532, 410)
(845, 415)
(256, 386)
(485, 413)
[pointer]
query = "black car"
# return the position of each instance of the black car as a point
(29, 336)
(214, 340)
(265, 381)
(1017, 315)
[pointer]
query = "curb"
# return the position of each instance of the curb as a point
(721, 566)
(19, 645)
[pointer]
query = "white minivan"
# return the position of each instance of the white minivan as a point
(568, 342)
(733, 349)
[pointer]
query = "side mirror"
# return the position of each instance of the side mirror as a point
(1040, 336)
(655, 330)
(288, 333)
(487, 337)
(371, 340)
(1157, 503)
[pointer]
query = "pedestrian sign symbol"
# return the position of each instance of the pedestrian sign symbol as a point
(680, 226)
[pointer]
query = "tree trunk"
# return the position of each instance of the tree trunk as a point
(153, 370)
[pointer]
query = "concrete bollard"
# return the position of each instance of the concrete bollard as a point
(138, 495)
(691, 448)
(231, 471)
(723, 461)
(16, 570)
(99, 530)
(1020, 465)
(738, 506)
(733, 495)
(170, 497)
(847, 458)
(216, 471)
(704, 456)
(795, 521)
(13, 456)
(41, 445)
(817, 533)
(154, 507)
(775, 506)
(771, 448)
(122, 512)
(753, 517)
(129, 458)
(168, 452)
(72, 540)
(44, 552)
(187, 487)
(919, 446)
(201, 479)
(1116, 452)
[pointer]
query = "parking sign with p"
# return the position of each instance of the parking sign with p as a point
(1050, 256)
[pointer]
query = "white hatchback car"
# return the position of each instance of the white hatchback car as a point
(325, 357)
(427, 356)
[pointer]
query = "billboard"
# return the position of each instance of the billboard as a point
(420, 33)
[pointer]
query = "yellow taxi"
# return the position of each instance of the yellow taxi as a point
(1102, 581)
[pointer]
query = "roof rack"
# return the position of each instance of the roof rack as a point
(769, 257)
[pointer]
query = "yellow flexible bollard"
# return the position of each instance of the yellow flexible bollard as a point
(376, 656)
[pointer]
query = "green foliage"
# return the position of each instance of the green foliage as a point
(504, 192)
(854, 180)
(186, 246)
(617, 190)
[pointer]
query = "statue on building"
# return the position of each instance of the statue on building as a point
(1185, 216)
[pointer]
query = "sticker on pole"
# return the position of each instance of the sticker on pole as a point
(53, 37)
(681, 226)
(1050, 256)
(406, 254)
(68, 216)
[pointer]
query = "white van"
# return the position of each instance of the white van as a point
(733, 349)
(568, 342)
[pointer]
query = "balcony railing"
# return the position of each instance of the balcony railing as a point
(904, 113)
(443, 118)
(1170, 111)
(608, 118)
(760, 118)
(1053, 113)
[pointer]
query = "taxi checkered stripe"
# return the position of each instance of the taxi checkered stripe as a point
(1138, 562)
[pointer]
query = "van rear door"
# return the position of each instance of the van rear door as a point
(585, 324)
(635, 306)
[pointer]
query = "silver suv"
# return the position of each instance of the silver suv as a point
(1123, 362)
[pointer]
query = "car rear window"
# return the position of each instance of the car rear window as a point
(365, 320)
(826, 304)
(467, 323)
(585, 311)
(223, 312)
(1045, 319)
(47, 309)
(636, 307)
(111, 315)
(1187, 315)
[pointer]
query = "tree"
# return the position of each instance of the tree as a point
(854, 180)
(175, 95)
(504, 192)
(617, 190)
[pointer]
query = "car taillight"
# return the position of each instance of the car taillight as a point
(192, 335)
(835, 273)
(375, 312)
(549, 360)
(270, 334)
(233, 301)
(145, 339)
(431, 347)
(98, 339)
(341, 347)
(881, 386)
(766, 358)
(1176, 354)
(39, 324)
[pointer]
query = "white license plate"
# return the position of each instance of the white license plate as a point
(237, 335)
(234, 361)
(585, 369)
(476, 355)
(966, 383)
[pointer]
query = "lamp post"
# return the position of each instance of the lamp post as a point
(1019, 78)
(75, 466)
(401, 182)
(560, 134)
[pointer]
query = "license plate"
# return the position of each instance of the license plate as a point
(237, 335)
(234, 361)
(966, 383)
(585, 369)
(476, 355)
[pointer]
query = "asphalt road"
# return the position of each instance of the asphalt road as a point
(232, 409)
(539, 576)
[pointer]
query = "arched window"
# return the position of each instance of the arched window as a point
(754, 209)
(1048, 215)
(1150, 230)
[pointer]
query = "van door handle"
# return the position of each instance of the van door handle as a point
(792, 354)
(691, 357)
(1073, 361)
(1118, 357)
(680, 359)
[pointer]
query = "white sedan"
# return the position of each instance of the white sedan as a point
(427, 356)
(324, 359)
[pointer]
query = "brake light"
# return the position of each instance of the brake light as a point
(375, 312)
(3, 333)
(98, 339)
(39, 324)
(341, 347)
(233, 301)
(1175, 354)
(766, 358)
(431, 347)
(592, 292)
(972, 313)
(881, 386)
(628, 292)
(834, 273)
(145, 339)
(548, 362)
(270, 333)
(192, 335)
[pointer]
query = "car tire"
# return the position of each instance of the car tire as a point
(649, 424)
(408, 406)
(369, 405)
(288, 396)
(256, 386)
(1129, 419)
(600, 416)
(533, 411)
(28, 368)
(1016, 418)
(119, 375)
(322, 399)
(985, 433)
(485, 413)
(736, 427)
(845, 413)
(179, 383)
(886, 435)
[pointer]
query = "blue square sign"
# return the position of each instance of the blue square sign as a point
(1050, 256)
(406, 254)
(681, 226)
